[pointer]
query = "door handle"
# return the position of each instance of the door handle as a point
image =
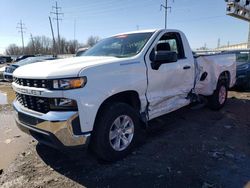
(186, 67)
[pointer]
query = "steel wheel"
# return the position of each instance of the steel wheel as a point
(121, 133)
(222, 94)
(117, 132)
(219, 97)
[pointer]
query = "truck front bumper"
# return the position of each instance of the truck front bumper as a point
(55, 129)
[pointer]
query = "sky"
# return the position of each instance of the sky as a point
(203, 21)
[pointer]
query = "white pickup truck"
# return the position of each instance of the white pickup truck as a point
(105, 98)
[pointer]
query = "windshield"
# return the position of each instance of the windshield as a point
(126, 45)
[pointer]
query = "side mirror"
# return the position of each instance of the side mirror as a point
(163, 57)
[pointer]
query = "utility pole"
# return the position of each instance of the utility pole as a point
(54, 41)
(205, 46)
(75, 35)
(74, 29)
(248, 42)
(21, 28)
(33, 45)
(218, 43)
(166, 7)
(57, 14)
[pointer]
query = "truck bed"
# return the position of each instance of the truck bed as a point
(214, 65)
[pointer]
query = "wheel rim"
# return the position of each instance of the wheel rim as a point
(121, 133)
(222, 94)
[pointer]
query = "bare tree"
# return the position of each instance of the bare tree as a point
(92, 40)
(39, 45)
(44, 45)
(72, 46)
(13, 49)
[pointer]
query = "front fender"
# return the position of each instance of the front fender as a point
(107, 80)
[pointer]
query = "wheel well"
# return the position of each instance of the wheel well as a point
(225, 76)
(129, 97)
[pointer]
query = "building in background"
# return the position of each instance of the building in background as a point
(241, 46)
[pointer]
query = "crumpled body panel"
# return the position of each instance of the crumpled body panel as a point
(214, 65)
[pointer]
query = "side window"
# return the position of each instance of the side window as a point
(170, 42)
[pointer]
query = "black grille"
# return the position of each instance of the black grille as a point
(26, 119)
(38, 83)
(39, 104)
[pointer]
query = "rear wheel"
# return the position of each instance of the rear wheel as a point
(116, 133)
(219, 97)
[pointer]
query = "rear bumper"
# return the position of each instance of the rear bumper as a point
(56, 129)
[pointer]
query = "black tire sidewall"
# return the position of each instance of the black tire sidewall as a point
(102, 146)
(214, 99)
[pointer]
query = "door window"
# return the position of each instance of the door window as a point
(170, 42)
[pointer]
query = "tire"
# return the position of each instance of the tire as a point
(108, 141)
(219, 97)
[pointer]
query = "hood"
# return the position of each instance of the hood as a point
(62, 68)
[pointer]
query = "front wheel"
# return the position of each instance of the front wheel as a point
(219, 97)
(116, 132)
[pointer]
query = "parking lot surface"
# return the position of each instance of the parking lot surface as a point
(187, 148)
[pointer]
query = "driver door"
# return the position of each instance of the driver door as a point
(168, 86)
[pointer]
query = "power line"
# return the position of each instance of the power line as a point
(200, 19)
(108, 8)
(57, 14)
(104, 4)
(92, 5)
(21, 28)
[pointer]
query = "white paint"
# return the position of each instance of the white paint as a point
(3, 98)
(166, 91)
(2, 69)
(214, 65)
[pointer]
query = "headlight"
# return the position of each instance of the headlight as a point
(243, 67)
(71, 83)
(63, 104)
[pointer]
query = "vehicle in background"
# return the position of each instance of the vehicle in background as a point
(5, 59)
(243, 68)
(81, 51)
(107, 96)
(2, 60)
(1, 72)
(9, 69)
(23, 57)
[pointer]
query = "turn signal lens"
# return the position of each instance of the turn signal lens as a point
(72, 83)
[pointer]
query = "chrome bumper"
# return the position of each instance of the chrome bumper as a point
(55, 129)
